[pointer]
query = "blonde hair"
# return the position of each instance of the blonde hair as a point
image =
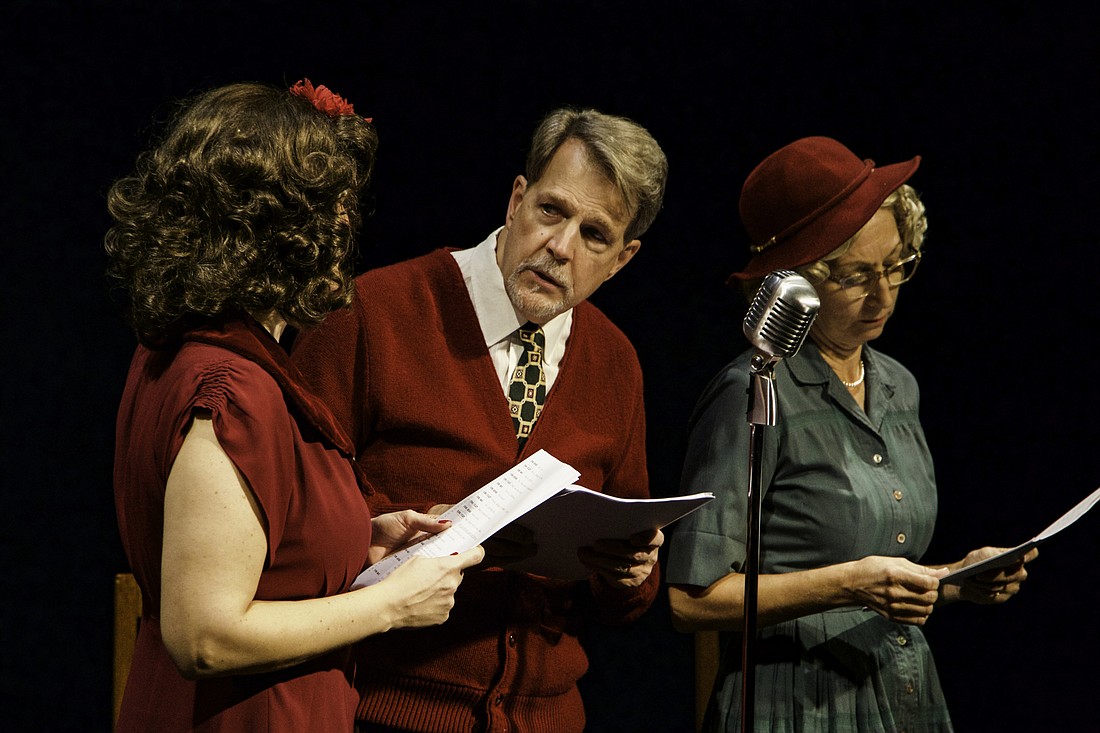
(908, 210)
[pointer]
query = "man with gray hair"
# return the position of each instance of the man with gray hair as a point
(451, 368)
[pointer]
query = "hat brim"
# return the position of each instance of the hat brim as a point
(832, 227)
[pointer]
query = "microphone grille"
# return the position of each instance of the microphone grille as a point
(781, 314)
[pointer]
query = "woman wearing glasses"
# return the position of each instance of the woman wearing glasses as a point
(849, 493)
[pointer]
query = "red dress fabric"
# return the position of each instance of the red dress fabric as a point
(407, 372)
(296, 462)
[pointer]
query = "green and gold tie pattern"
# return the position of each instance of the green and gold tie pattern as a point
(527, 389)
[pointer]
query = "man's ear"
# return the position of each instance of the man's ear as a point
(627, 253)
(519, 187)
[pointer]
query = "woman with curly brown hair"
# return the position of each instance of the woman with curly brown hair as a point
(238, 502)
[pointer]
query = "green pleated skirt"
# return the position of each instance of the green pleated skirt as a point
(843, 671)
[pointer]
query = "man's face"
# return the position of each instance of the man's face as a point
(563, 236)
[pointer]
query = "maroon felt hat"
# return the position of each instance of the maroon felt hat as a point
(808, 198)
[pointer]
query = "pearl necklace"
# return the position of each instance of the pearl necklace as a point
(862, 374)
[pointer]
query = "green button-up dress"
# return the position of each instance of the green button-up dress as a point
(839, 484)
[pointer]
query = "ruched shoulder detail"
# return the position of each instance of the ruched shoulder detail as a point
(213, 390)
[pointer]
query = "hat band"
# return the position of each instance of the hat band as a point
(868, 169)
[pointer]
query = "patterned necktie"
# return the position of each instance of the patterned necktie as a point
(527, 390)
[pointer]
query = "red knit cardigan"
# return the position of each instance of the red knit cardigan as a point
(407, 372)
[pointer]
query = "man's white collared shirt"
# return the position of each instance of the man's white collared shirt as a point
(499, 320)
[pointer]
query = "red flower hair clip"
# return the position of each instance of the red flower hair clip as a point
(324, 99)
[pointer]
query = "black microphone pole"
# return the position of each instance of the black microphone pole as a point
(778, 320)
(761, 415)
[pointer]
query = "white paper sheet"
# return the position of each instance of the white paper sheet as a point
(578, 517)
(1008, 557)
(483, 512)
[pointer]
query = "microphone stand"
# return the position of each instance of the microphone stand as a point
(762, 413)
(778, 320)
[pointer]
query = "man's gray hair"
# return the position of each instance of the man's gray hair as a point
(623, 149)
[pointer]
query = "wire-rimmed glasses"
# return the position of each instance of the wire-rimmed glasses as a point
(860, 284)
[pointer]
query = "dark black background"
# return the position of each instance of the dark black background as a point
(999, 97)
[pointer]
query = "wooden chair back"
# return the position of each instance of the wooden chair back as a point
(706, 671)
(127, 620)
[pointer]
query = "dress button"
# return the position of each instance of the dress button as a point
(499, 700)
(909, 689)
(512, 640)
(901, 538)
(902, 641)
(877, 458)
(897, 494)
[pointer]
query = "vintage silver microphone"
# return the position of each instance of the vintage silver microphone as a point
(776, 324)
(778, 320)
(780, 316)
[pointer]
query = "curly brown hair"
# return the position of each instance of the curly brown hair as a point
(250, 202)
